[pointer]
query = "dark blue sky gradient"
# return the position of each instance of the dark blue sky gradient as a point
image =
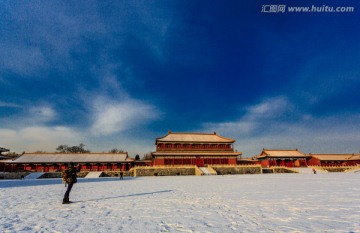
(122, 73)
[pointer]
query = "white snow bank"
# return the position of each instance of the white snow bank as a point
(93, 175)
(34, 175)
(237, 203)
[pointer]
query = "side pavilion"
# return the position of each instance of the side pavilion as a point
(287, 158)
(331, 160)
(52, 162)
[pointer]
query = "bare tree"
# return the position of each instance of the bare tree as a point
(72, 149)
(147, 156)
(3, 150)
(62, 148)
(12, 154)
(116, 151)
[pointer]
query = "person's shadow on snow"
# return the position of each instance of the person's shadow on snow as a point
(129, 195)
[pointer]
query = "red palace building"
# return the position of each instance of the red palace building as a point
(287, 158)
(331, 160)
(198, 149)
(52, 162)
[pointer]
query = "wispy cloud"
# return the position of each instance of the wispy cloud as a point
(271, 108)
(276, 123)
(255, 116)
(38, 138)
(116, 116)
(9, 104)
(22, 60)
(44, 36)
(28, 115)
(42, 114)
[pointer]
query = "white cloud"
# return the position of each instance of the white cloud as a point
(21, 59)
(46, 35)
(38, 138)
(28, 116)
(42, 113)
(9, 105)
(112, 117)
(268, 125)
(268, 110)
(48, 138)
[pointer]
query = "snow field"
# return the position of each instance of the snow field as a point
(328, 202)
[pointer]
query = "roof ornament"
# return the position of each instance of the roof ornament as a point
(3, 150)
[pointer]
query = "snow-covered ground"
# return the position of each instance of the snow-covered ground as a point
(235, 203)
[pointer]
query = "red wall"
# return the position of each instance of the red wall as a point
(265, 163)
(159, 162)
(232, 161)
(314, 162)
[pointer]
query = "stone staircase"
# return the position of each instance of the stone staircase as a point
(354, 170)
(34, 175)
(206, 171)
(93, 175)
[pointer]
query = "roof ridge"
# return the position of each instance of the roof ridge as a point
(281, 149)
(170, 132)
(213, 136)
(70, 153)
(333, 154)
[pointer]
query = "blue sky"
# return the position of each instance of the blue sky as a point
(119, 74)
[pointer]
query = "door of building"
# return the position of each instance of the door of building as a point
(199, 161)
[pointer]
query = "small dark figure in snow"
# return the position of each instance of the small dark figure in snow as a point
(70, 178)
(121, 175)
(314, 170)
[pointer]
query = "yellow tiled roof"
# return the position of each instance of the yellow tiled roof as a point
(194, 137)
(72, 157)
(337, 157)
(281, 154)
